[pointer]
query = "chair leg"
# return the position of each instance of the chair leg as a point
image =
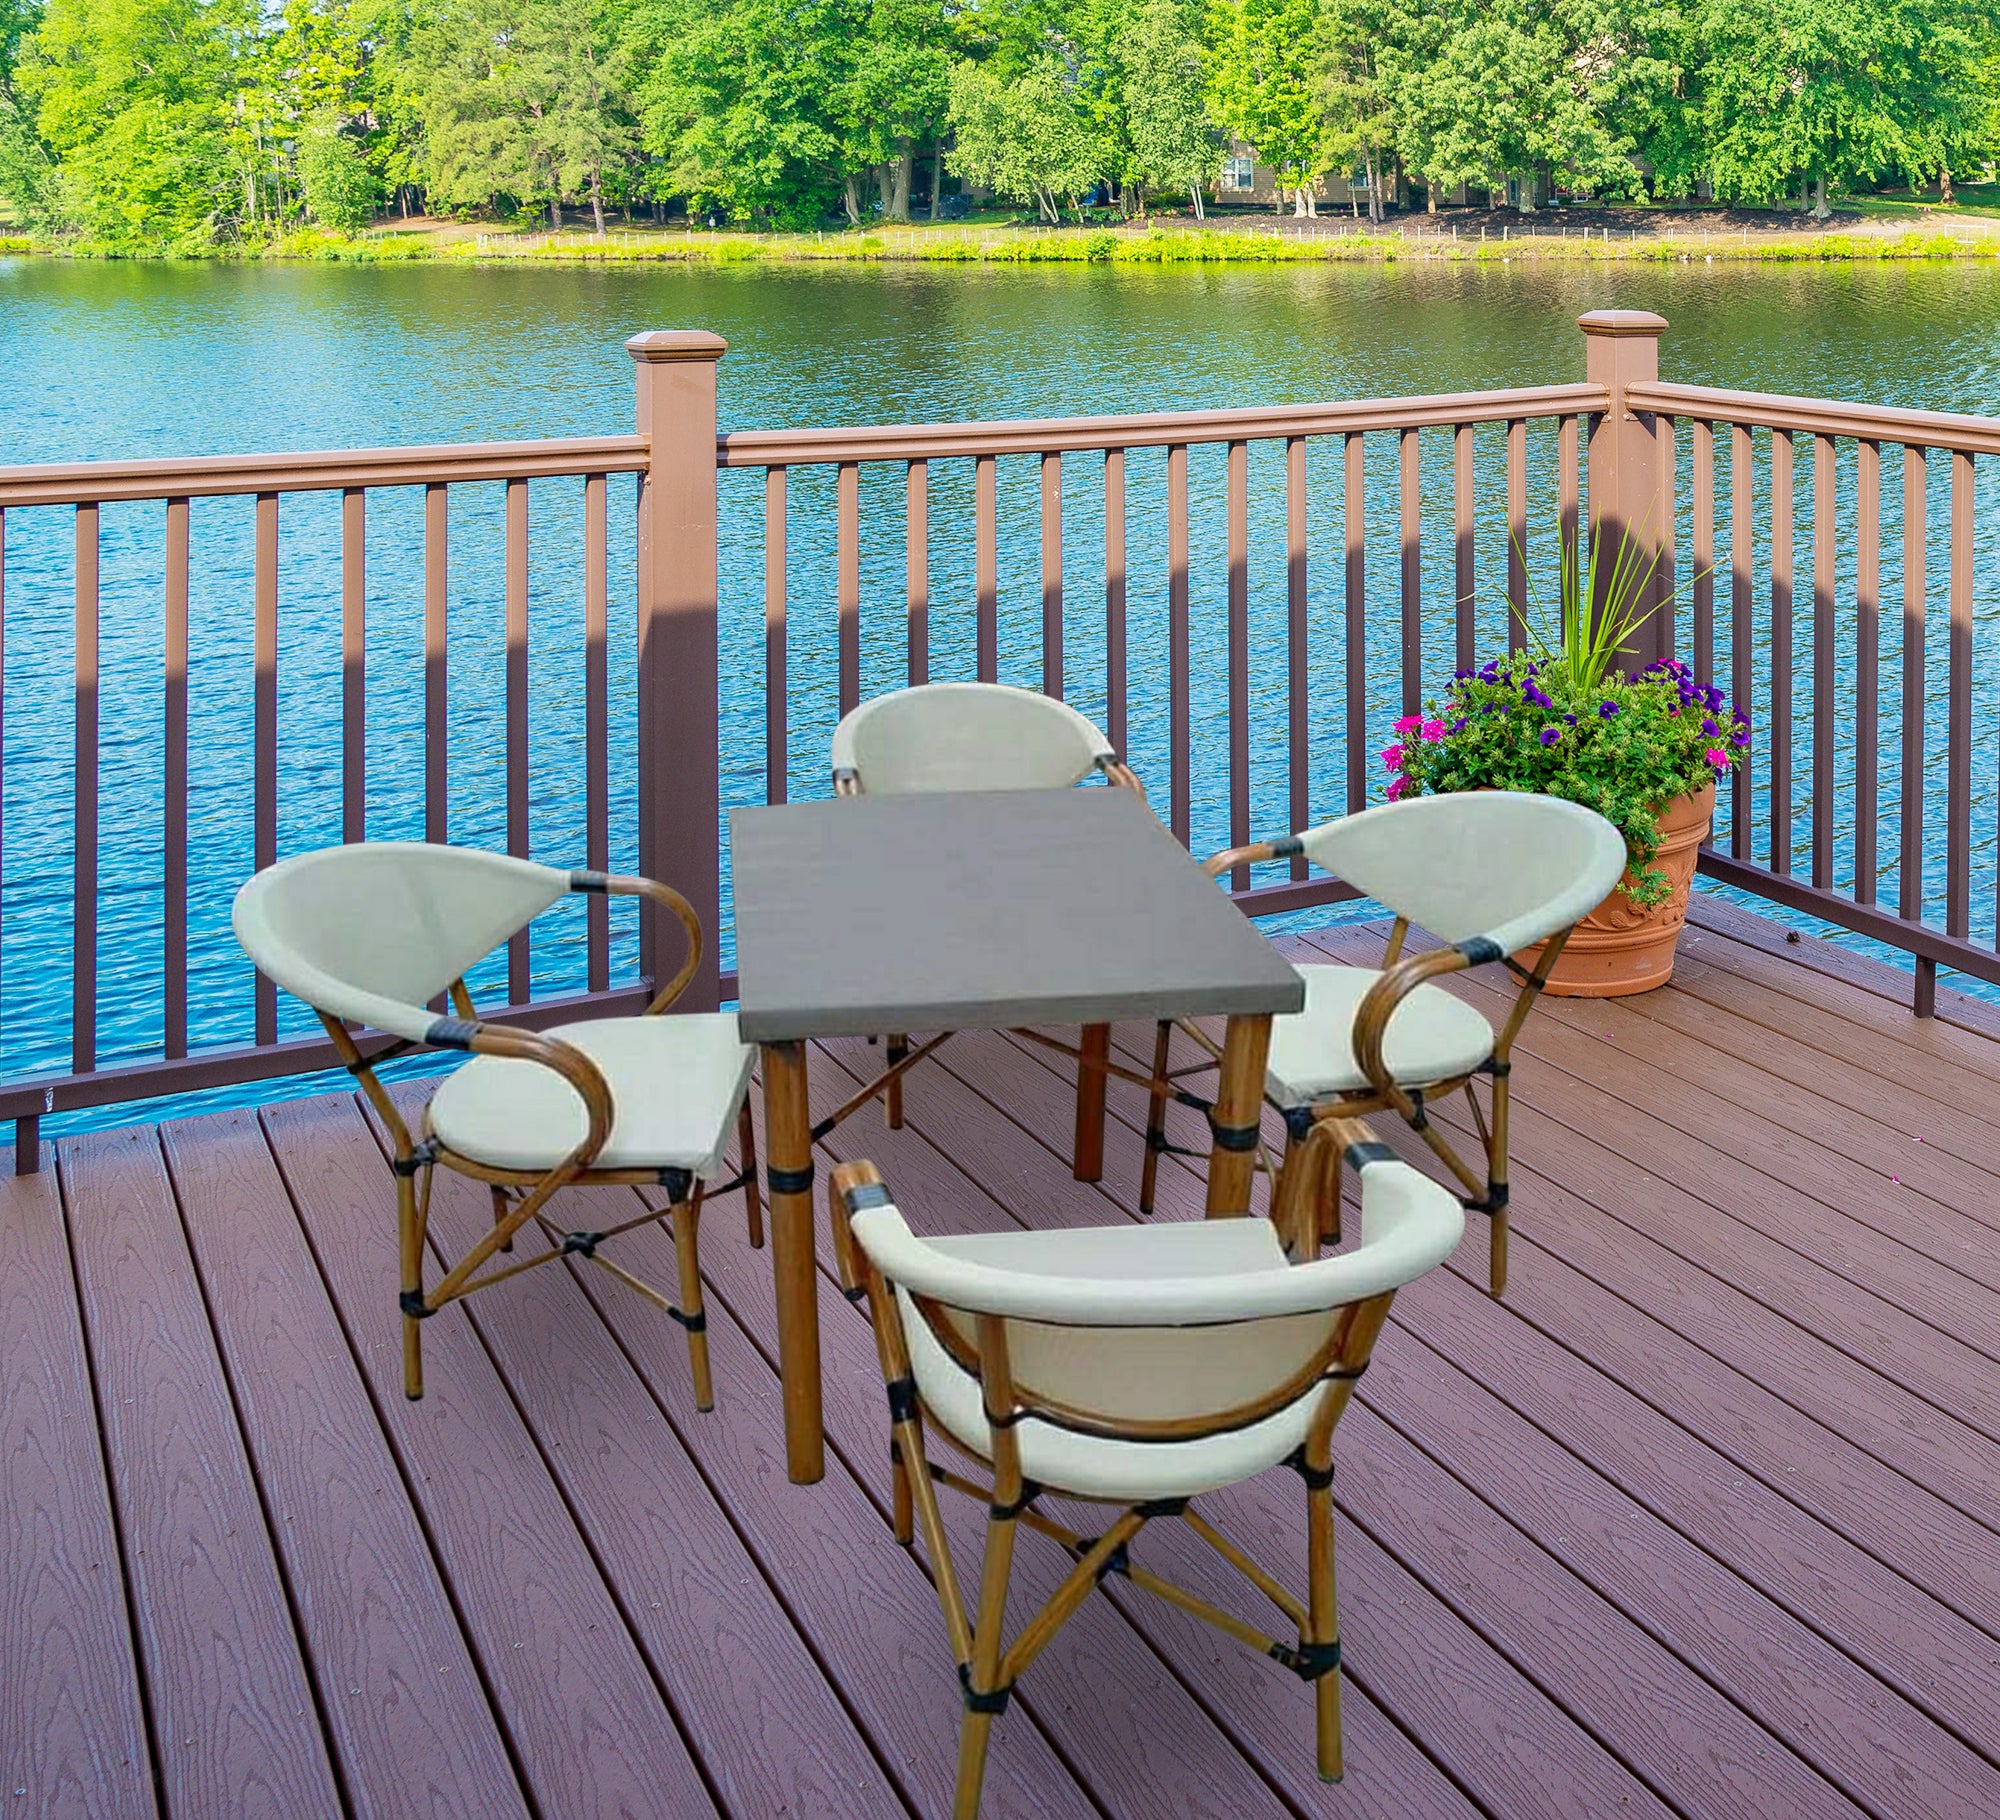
(410, 1254)
(1496, 1189)
(686, 1223)
(1323, 1618)
(983, 1673)
(500, 1213)
(1156, 1118)
(753, 1203)
(903, 1520)
(1295, 1210)
(892, 1098)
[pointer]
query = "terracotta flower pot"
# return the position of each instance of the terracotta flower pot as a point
(1619, 949)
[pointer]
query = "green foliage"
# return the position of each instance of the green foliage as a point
(177, 126)
(340, 189)
(1624, 746)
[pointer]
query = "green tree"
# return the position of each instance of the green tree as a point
(1152, 97)
(134, 99)
(897, 89)
(1264, 88)
(520, 99)
(1027, 137)
(1357, 100)
(340, 189)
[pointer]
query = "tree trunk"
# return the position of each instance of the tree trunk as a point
(1821, 208)
(1194, 195)
(884, 183)
(850, 198)
(1430, 196)
(555, 213)
(937, 179)
(899, 193)
(1374, 188)
(597, 199)
(1944, 184)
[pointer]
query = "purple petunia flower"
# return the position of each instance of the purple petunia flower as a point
(1709, 727)
(1605, 709)
(1571, 718)
(1550, 735)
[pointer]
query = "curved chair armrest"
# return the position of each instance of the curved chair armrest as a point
(1286, 847)
(614, 885)
(1378, 1005)
(517, 1044)
(1120, 776)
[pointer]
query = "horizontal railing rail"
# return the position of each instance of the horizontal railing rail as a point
(1387, 541)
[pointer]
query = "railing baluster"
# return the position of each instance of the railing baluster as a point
(1466, 576)
(1665, 578)
(83, 913)
(1239, 655)
(1742, 654)
(848, 542)
(1825, 492)
(596, 727)
(1784, 511)
(264, 733)
(1958, 721)
(1517, 534)
(1916, 513)
(437, 661)
(1298, 755)
(354, 664)
(1114, 599)
(916, 573)
(1354, 480)
(1052, 568)
(777, 737)
(1408, 451)
(1703, 584)
(519, 974)
(1867, 661)
(174, 788)
(1567, 490)
(1180, 796)
(986, 565)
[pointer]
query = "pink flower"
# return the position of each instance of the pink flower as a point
(1397, 785)
(1392, 756)
(1717, 757)
(1408, 724)
(1433, 729)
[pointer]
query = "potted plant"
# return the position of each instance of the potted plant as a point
(1558, 718)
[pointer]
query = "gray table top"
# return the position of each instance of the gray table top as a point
(980, 911)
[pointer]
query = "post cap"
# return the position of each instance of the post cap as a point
(676, 344)
(1620, 322)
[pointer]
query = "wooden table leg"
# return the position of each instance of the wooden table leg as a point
(1239, 1106)
(1087, 1155)
(789, 1175)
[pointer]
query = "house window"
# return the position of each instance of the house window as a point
(1239, 172)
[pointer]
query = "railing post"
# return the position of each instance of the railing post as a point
(679, 787)
(1621, 348)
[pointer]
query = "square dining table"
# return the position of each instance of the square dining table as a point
(983, 910)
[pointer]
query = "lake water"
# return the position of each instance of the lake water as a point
(118, 360)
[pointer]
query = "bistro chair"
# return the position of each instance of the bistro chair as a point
(1134, 1366)
(968, 736)
(371, 934)
(1490, 873)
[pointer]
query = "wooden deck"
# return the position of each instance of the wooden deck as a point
(1704, 1520)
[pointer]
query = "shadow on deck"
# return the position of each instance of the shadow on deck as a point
(1704, 1519)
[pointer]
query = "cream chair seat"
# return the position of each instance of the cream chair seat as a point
(677, 1085)
(1138, 1366)
(1432, 1037)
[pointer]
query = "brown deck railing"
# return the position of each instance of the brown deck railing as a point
(1616, 441)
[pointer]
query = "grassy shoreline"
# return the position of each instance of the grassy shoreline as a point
(1328, 241)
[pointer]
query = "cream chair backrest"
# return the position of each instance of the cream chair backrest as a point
(966, 736)
(374, 930)
(1167, 1347)
(1500, 863)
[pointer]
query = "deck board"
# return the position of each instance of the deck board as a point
(1704, 1518)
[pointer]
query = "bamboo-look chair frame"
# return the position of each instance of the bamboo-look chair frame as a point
(1089, 1055)
(987, 1668)
(415, 1160)
(1305, 1193)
